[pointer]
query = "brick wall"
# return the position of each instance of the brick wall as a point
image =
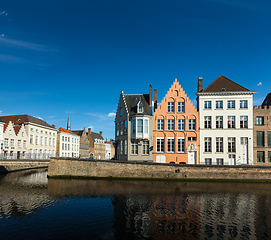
(115, 169)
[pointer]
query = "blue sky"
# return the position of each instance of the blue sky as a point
(72, 58)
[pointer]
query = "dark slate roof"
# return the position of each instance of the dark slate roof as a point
(132, 101)
(267, 100)
(79, 132)
(223, 84)
(22, 119)
(96, 135)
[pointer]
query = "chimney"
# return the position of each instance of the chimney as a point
(155, 99)
(199, 84)
(89, 131)
(101, 133)
(150, 96)
(106, 139)
(54, 126)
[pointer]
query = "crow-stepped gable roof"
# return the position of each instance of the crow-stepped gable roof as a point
(133, 99)
(223, 84)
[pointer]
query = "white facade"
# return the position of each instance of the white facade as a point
(1, 137)
(68, 144)
(226, 127)
(14, 145)
(108, 153)
(41, 141)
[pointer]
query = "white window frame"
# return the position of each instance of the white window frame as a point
(181, 124)
(207, 104)
(219, 144)
(160, 144)
(219, 121)
(170, 124)
(170, 145)
(180, 107)
(170, 107)
(160, 124)
(207, 144)
(181, 145)
(191, 124)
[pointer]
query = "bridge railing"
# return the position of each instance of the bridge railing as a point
(26, 156)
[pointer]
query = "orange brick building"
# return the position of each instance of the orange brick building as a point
(176, 128)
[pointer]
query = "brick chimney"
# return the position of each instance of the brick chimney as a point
(101, 133)
(200, 84)
(89, 131)
(150, 96)
(54, 126)
(155, 99)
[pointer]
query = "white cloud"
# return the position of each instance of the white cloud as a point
(92, 128)
(11, 59)
(259, 84)
(1, 112)
(2, 35)
(111, 114)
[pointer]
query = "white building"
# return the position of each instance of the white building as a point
(226, 123)
(1, 137)
(41, 137)
(67, 143)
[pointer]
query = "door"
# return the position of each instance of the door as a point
(191, 158)
(244, 151)
(161, 159)
(232, 159)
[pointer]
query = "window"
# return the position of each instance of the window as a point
(207, 105)
(125, 147)
(140, 125)
(219, 161)
(63, 139)
(160, 144)
(191, 124)
(121, 128)
(121, 111)
(24, 144)
(12, 142)
(170, 107)
(181, 124)
(140, 107)
(32, 129)
(41, 140)
(208, 161)
(37, 130)
(181, 146)
(117, 129)
(170, 145)
(41, 131)
(219, 122)
(146, 125)
(231, 104)
(170, 124)
(269, 156)
(243, 104)
(63, 146)
(207, 122)
(192, 139)
(121, 148)
(134, 148)
(260, 139)
(46, 132)
(145, 148)
(207, 144)
(260, 156)
(243, 121)
(6, 142)
(160, 124)
(231, 144)
(125, 127)
(31, 139)
(36, 140)
(219, 104)
(269, 139)
(181, 107)
(219, 144)
(46, 141)
(259, 120)
(231, 122)
(50, 141)
(244, 140)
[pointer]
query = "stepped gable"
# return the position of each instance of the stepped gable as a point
(132, 101)
(22, 119)
(223, 84)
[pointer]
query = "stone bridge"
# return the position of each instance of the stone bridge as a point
(11, 165)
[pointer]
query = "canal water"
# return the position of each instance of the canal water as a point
(34, 207)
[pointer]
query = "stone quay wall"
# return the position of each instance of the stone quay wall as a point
(59, 168)
(21, 164)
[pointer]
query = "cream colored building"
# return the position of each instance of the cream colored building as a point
(41, 137)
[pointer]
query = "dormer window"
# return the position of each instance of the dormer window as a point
(139, 107)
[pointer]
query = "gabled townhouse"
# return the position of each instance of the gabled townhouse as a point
(134, 127)
(109, 149)
(175, 128)
(15, 141)
(262, 132)
(96, 145)
(84, 143)
(41, 137)
(226, 123)
(67, 143)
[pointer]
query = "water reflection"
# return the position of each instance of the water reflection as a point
(101, 209)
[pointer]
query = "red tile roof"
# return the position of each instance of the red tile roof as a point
(66, 131)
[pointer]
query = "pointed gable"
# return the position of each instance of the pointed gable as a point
(223, 84)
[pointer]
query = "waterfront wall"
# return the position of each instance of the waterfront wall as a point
(115, 169)
(22, 164)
